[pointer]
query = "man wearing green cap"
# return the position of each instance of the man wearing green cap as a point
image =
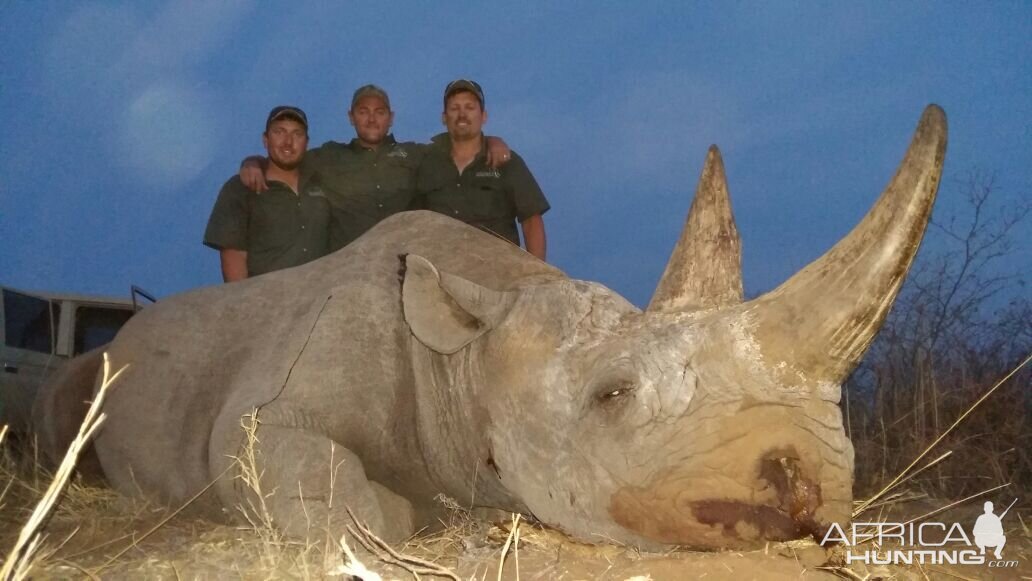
(285, 225)
(371, 177)
(456, 180)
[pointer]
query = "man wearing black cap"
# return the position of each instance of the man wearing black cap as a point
(283, 226)
(456, 180)
(371, 177)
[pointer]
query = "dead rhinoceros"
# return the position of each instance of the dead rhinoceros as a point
(429, 357)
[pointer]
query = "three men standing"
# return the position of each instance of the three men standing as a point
(364, 181)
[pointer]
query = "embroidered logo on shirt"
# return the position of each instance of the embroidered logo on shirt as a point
(398, 152)
(316, 193)
(489, 173)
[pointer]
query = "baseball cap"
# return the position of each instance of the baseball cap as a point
(464, 85)
(288, 112)
(370, 91)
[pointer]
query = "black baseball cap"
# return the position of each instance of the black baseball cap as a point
(286, 112)
(460, 85)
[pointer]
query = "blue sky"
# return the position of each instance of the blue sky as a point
(124, 119)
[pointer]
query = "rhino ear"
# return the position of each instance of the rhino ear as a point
(447, 312)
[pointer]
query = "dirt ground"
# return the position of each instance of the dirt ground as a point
(96, 533)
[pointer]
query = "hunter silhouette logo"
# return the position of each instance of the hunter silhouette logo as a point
(925, 542)
(988, 529)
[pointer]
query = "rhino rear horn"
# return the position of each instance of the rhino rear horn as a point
(705, 268)
(816, 326)
(446, 312)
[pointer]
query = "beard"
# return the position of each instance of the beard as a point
(285, 164)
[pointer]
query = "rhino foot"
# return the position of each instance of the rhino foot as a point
(309, 483)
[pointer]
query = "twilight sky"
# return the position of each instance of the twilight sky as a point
(124, 119)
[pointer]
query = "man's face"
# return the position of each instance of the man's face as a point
(463, 116)
(286, 141)
(372, 120)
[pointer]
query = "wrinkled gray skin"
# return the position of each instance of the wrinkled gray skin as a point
(429, 357)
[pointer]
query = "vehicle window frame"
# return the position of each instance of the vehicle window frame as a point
(8, 298)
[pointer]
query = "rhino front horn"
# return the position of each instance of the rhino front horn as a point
(705, 268)
(816, 326)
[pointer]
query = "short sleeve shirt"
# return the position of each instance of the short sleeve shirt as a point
(365, 185)
(482, 196)
(277, 228)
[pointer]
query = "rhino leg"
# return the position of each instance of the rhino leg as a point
(314, 480)
(60, 408)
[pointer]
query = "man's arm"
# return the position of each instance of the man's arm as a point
(534, 235)
(227, 229)
(234, 264)
(252, 173)
(498, 152)
(530, 204)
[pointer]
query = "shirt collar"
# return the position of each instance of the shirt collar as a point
(388, 142)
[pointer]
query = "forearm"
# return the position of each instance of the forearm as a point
(234, 264)
(534, 235)
(259, 161)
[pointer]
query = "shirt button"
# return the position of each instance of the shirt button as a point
(456, 212)
(302, 227)
(377, 186)
(304, 250)
(379, 205)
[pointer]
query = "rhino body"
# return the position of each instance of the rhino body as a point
(430, 358)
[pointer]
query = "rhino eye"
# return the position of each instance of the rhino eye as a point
(614, 391)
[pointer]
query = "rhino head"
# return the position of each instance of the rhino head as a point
(703, 421)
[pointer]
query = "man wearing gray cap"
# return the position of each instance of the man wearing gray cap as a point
(285, 225)
(371, 177)
(456, 180)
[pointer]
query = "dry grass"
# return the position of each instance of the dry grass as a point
(23, 555)
(256, 512)
(906, 473)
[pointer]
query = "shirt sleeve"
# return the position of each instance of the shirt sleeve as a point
(418, 151)
(527, 196)
(317, 158)
(227, 225)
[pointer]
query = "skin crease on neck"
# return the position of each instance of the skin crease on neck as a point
(286, 141)
(465, 118)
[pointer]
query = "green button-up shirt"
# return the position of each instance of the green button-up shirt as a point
(489, 198)
(365, 185)
(277, 228)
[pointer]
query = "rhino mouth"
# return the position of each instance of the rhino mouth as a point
(794, 517)
(740, 520)
(683, 507)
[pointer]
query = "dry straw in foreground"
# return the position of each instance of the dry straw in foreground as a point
(22, 556)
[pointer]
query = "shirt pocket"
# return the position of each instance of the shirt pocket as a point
(488, 199)
(346, 180)
(398, 175)
(273, 221)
